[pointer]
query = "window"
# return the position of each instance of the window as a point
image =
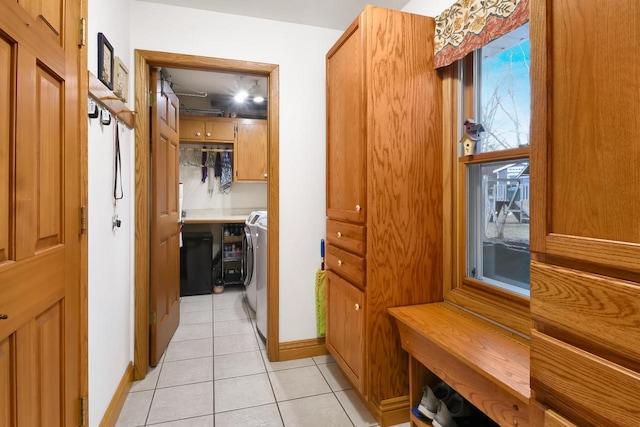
(497, 177)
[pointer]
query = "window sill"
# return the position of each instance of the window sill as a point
(486, 364)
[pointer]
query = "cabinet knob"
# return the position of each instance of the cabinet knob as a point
(208, 133)
(265, 175)
(3, 317)
(198, 134)
(339, 234)
(339, 262)
(358, 208)
(357, 307)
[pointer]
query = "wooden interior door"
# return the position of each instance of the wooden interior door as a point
(42, 355)
(165, 230)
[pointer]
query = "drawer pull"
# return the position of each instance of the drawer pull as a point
(358, 208)
(339, 262)
(208, 133)
(198, 134)
(339, 234)
(357, 307)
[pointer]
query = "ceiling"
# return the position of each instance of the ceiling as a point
(336, 14)
(191, 86)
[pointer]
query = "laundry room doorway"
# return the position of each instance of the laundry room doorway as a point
(144, 62)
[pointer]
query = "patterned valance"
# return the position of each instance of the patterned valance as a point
(470, 24)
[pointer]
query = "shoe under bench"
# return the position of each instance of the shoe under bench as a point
(486, 364)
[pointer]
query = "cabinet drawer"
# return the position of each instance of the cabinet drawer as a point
(191, 130)
(600, 309)
(346, 236)
(220, 131)
(346, 264)
(589, 385)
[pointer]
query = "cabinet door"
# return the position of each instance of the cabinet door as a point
(191, 129)
(345, 327)
(346, 134)
(251, 152)
(585, 147)
(220, 131)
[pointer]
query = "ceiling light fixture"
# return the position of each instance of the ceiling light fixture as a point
(241, 96)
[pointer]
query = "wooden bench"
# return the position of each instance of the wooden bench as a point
(486, 364)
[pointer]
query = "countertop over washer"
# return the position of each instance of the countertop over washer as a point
(207, 216)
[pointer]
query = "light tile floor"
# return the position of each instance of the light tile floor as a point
(216, 372)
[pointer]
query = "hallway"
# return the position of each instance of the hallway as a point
(216, 369)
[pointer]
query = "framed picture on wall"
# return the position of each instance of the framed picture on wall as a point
(120, 79)
(105, 61)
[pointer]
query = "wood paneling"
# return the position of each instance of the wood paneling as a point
(600, 309)
(6, 151)
(48, 12)
(7, 385)
(597, 389)
(48, 346)
(553, 419)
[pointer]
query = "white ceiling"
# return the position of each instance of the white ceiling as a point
(336, 14)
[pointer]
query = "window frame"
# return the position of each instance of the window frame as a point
(500, 306)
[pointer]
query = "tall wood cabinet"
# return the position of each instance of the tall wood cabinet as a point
(585, 272)
(384, 197)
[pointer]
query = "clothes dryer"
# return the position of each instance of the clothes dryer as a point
(250, 233)
(261, 276)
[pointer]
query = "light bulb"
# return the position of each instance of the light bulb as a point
(241, 96)
(258, 99)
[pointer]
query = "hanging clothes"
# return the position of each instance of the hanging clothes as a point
(226, 176)
(217, 166)
(205, 167)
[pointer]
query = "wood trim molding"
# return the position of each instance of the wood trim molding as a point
(303, 348)
(144, 59)
(117, 401)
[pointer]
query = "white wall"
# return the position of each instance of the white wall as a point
(242, 195)
(427, 7)
(300, 52)
(110, 253)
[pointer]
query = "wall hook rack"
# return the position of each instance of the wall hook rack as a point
(107, 99)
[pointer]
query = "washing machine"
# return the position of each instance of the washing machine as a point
(250, 234)
(261, 277)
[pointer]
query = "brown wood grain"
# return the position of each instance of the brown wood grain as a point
(553, 419)
(350, 237)
(486, 365)
(598, 389)
(301, 349)
(250, 157)
(602, 310)
(7, 153)
(105, 97)
(346, 264)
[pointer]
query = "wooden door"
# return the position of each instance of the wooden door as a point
(251, 151)
(42, 354)
(345, 327)
(346, 136)
(165, 230)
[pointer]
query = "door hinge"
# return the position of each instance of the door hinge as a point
(153, 318)
(83, 219)
(152, 99)
(83, 411)
(83, 32)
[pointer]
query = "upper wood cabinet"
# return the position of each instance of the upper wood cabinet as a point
(346, 134)
(585, 237)
(585, 149)
(208, 129)
(251, 151)
(384, 197)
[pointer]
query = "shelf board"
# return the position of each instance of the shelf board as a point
(107, 99)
